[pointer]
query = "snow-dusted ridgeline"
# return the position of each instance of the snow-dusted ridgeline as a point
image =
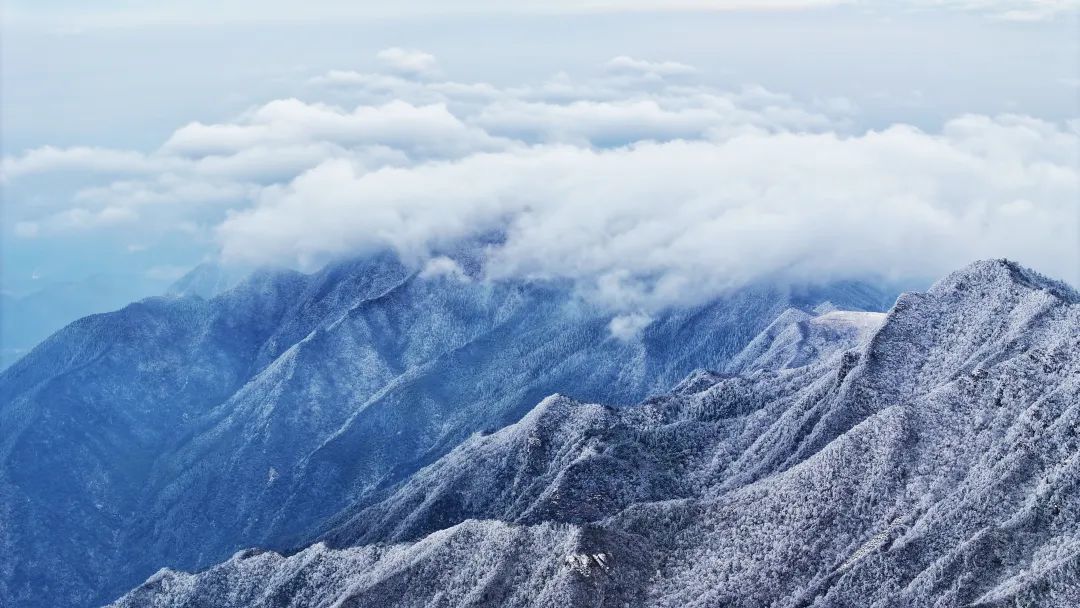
(933, 461)
(180, 429)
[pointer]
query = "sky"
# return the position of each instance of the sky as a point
(656, 154)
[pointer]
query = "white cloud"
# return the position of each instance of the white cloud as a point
(167, 190)
(620, 122)
(79, 158)
(1022, 10)
(81, 219)
(627, 327)
(112, 13)
(623, 65)
(442, 266)
(410, 62)
(654, 224)
(426, 130)
(166, 272)
(646, 192)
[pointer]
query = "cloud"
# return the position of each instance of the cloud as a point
(621, 122)
(629, 326)
(442, 266)
(655, 224)
(410, 62)
(113, 13)
(645, 192)
(80, 219)
(167, 190)
(628, 65)
(78, 158)
(424, 130)
(166, 273)
(1023, 10)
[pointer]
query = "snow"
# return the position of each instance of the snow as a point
(387, 422)
(942, 470)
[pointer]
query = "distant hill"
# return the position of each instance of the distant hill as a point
(27, 319)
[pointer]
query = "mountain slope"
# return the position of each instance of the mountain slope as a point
(205, 280)
(935, 463)
(28, 318)
(179, 429)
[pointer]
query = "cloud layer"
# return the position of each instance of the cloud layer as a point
(642, 186)
(115, 12)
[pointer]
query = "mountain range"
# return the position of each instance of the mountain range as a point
(929, 456)
(297, 407)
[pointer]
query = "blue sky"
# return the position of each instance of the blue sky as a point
(953, 121)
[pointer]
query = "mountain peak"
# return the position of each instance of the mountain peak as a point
(998, 273)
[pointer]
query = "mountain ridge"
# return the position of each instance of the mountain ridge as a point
(933, 463)
(193, 426)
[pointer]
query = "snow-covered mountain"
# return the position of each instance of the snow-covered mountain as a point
(927, 458)
(206, 280)
(28, 318)
(180, 429)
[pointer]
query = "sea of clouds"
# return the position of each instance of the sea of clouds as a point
(640, 183)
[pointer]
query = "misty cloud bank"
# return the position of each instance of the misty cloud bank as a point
(642, 185)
